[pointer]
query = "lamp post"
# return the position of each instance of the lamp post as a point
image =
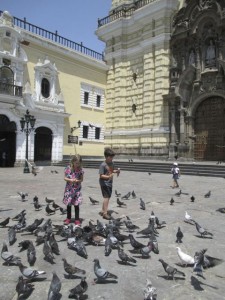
(26, 122)
(73, 128)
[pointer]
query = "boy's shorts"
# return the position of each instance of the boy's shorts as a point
(106, 191)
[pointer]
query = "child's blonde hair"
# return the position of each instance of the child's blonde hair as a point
(74, 158)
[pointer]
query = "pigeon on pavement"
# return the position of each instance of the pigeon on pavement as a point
(207, 195)
(202, 231)
(124, 257)
(48, 210)
(72, 270)
(29, 272)
(31, 254)
(134, 243)
(24, 245)
(170, 270)
(93, 201)
(179, 236)
(185, 258)
(12, 235)
(149, 291)
(142, 204)
(79, 290)
(5, 222)
(101, 273)
(55, 287)
(8, 257)
(127, 196)
(120, 203)
(23, 287)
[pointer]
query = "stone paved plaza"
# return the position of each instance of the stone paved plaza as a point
(155, 190)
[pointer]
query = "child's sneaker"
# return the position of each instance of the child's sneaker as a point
(67, 221)
(77, 222)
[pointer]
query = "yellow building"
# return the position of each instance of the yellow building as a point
(60, 83)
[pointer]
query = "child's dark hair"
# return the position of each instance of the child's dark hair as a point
(109, 152)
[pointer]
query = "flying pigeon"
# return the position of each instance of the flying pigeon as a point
(102, 274)
(22, 195)
(170, 270)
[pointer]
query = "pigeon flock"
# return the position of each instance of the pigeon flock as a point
(141, 240)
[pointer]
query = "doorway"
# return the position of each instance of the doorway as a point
(43, 145)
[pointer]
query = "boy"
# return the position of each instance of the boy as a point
(106, 171)
(176, 173)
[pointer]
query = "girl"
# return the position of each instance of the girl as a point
(72, 195)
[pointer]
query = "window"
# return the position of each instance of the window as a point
(98, 101)
(85, 132)
(97, 133)
(45, 88)
(86, 97)
(6, 62)
(8, 33)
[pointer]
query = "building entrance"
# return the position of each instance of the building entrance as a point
(43, 144)
(210, 130)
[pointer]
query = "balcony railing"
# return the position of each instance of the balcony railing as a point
(11, 89)
(53, 36)
(125, 12)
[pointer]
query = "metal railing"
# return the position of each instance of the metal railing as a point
(53, 36)
(125, 12)
(11, 89)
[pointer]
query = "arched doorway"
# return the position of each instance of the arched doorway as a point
(7, 142)
(210, 130)
(43, 144)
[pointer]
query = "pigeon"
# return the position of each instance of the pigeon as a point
(222, 210)
(79, 290)
(202, 231)
(63, 210)
(29, 272)
(22, 195)
(192, 198)
(170, 270)
(188, 218)
(5, 222)
(31, 254)
(21, 225)
(48, 210)
(142, 204)
(134, 243)
(72, 270)
(35, 199)
(172, 201)
(185, 258)
(20, 216)
(207, 195)
(93, 201)
(120, 203)
(198, 262)
(24, 244)
(102, 274)
(12, 235)
(80, 248)
(159, 224)
(153, 239)
(37, 205)
(146, 231)
(8, 257)
(55, 287)
(127, 196)
(149, 291)
(48, 255)
(53, 244)
(145, 251)
(178, 193)
(117, 194)
(49, 200)
(179, 235)
(133, 195)
(108, 246)
(124, 257)
(23, 287)
(130, 226)
(55, 206)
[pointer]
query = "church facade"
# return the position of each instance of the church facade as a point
(165, 85)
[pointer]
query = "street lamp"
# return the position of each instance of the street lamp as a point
(25, 122)
(73, 128)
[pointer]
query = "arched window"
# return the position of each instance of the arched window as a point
(45, 88)
(6, 75)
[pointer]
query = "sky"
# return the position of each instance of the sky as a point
(75, 20)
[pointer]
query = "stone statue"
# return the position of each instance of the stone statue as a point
(191, 60)
(210, 54)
